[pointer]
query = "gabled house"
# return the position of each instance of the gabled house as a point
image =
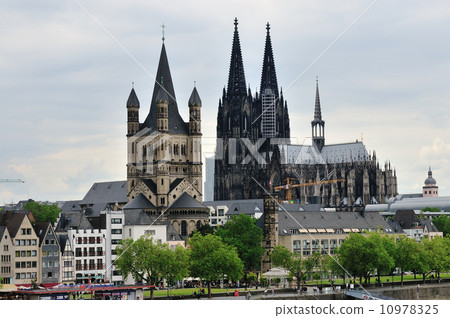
(6, 255)
(26, 247)
(50, 256)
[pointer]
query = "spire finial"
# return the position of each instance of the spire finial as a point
(132, 85)
(195, 83)
(268, 27)
(235, 23)
(163, 26)
(317, 79)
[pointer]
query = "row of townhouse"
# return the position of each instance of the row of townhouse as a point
(29, 251)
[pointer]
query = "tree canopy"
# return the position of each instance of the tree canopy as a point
(443, 224)
(151, 262)
(241, 232)
(43, 212)
(211, 259)
(298, 266)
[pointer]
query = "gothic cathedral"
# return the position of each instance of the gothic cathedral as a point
(254, 154)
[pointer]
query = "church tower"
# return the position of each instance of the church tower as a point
(164, 169)
(133, 113)
(318, 125)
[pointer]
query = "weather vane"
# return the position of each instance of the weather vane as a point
(163, 27)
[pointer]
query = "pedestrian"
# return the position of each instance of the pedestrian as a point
(273, 291)
(265, 292)
(249, 295)
(417, 291)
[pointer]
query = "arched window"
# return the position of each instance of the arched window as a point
(199, 224)
(183, 228)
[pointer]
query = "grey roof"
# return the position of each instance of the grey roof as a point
(133, 101)
(163, 77)
(72, 220)
(246, 207)
(175, 183)
(195, 98)
(110, 192)
(172, 232)
(345, 152)
(139, 202)
(13, 220)
(337, 153)
(73, 205)
(288, 221)
(185, 201)
(233, 203)
(2, 230)
(41, 230)
(62, 238)
(442, 203)
(135, 217)
(150, 184)
(429, 225)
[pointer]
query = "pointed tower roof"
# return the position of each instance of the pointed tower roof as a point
(164, 79)
(133, 101)
(269, 75)
(317, 110)
(236, 76)
(195, 98)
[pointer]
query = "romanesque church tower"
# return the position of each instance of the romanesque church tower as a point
(164, 169)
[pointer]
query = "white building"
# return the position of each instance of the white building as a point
(90, 255)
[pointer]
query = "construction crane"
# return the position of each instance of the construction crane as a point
(289, 185)
(11, 180)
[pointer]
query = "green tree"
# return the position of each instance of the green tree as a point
(43, 212)
(241, 232)
(151, 262)
(203, 230)
(1, 282)
(439, 254)
(211, 259)
(384, 249)
(297, 266)
(430, 209)
(251, 277)
(358, 256)
(405, 255)
(443, 224)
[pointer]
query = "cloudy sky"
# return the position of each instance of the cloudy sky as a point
(67, 68)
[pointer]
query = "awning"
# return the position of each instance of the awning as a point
(347, 230)
(355, 230)
(8, 288)
(330, 230)
(303, 231)
(321, 230)
(312, 230)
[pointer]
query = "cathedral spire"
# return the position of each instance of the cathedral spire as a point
(318, 125)
(236, 76)
(269, 76)
(317, 110)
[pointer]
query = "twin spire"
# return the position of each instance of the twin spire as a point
(236, 77)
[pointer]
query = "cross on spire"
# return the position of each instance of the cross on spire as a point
(163, 27)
